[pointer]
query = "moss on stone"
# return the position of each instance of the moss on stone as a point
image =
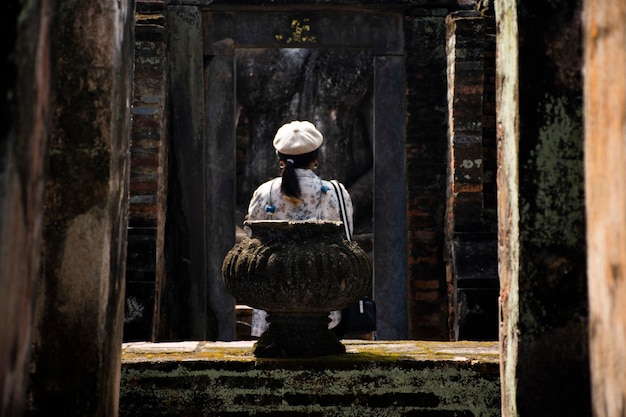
(372, 378)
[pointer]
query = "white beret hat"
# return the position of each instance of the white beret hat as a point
(297, 138)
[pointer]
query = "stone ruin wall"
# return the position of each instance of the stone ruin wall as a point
(430, 294)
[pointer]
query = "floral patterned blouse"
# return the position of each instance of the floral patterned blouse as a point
(319, 201)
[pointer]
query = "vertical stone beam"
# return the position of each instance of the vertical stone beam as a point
(221, 185)
(390, 225)
(507, 131)
(77, 347)
(203, 149)
(187, 145)
(605, 168)
(425, 36)
(465, 45)
(546, 326)
(553, 300)
(471, 287)
(27, 99)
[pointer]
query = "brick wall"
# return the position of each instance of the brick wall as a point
(148, 179)
(471, 241)
(426, 173)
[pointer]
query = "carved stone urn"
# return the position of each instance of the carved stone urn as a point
(297, 271)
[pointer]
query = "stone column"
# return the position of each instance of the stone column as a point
(507, 109)
(77, 344)
(27, 104)
(541, 216)
(202, 175)
(471, 253)
(605, 170)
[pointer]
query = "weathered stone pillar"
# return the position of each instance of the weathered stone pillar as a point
(77, 345)
(605, 170)
(465, 44)
(507, 109)
(27, 109)
(543, 335)
(202, 177)
(471, 242)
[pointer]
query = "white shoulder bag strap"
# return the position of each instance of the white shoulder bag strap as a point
(342, 208)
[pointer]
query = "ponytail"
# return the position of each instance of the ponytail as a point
(290, 185)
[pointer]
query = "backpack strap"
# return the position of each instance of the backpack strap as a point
(269, 207)
(342, 207)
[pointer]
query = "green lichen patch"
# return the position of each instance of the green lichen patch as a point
(371, 378)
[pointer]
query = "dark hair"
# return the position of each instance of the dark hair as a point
(290, 186)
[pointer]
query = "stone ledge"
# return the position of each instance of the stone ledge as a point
(356, 350)
(373, 378)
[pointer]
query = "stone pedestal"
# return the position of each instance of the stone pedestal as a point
(297, 271)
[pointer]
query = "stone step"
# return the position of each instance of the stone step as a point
(373, 378)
